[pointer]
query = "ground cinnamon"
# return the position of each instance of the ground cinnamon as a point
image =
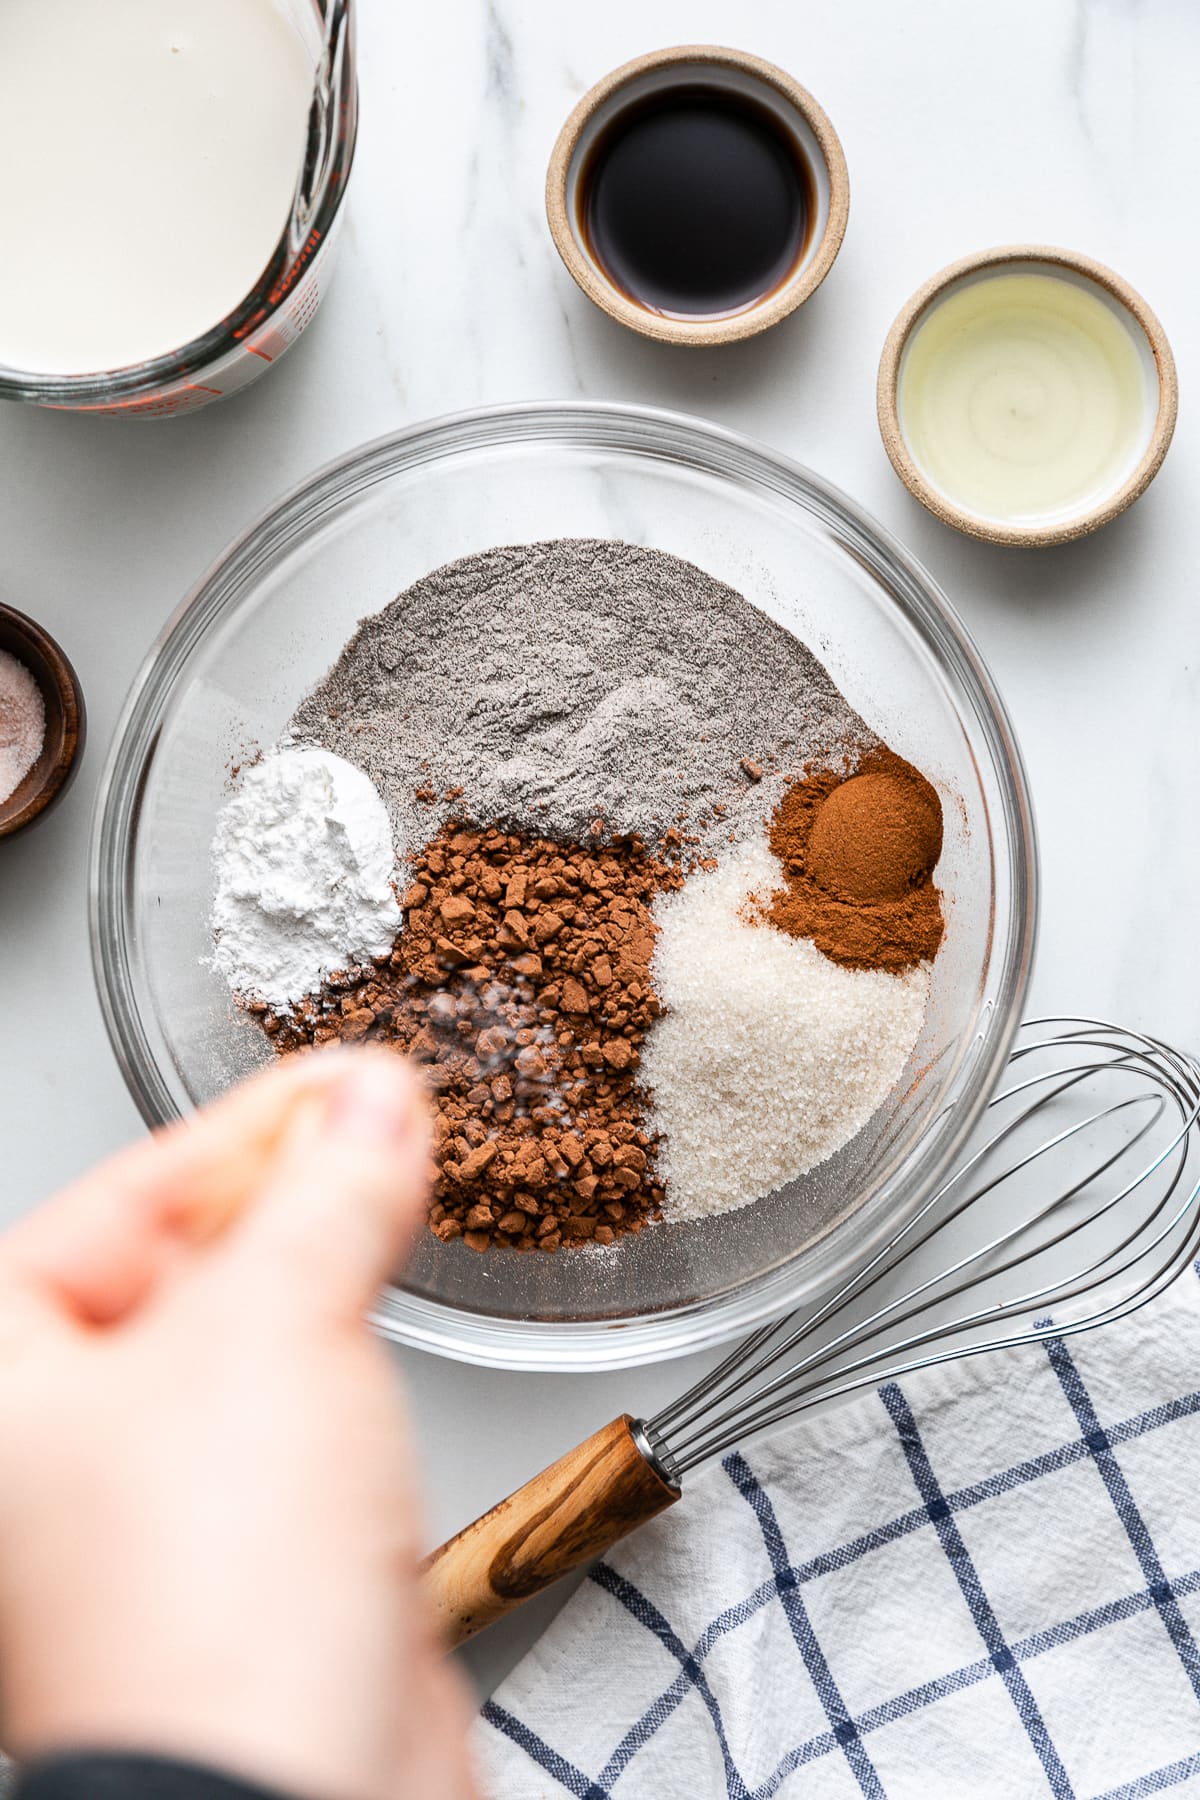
(858, 855)
(521, 980)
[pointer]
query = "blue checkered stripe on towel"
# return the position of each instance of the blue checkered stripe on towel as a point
(982, 1582)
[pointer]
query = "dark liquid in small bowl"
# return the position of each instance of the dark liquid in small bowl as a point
(697, 202)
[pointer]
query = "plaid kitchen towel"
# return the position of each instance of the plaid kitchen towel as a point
(982, 1581)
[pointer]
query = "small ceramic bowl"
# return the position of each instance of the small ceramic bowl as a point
(710, 66)
(66, 722)
(1146, 452)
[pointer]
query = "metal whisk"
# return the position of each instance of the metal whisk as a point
(1074, 1203)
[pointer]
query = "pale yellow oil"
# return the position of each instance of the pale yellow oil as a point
(1025, 397)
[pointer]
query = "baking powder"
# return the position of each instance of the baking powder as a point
(303, 863)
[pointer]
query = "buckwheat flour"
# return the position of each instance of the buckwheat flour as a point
(546, 684)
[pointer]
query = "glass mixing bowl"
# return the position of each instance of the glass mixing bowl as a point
(264, 625)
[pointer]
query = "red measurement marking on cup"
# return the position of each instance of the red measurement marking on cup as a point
(183, 399)
(289, 280)
(272, 344)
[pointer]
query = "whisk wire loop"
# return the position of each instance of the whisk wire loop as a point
(1111, 1234)
(887, 1258)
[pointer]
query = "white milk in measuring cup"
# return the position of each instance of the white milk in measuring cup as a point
(175, 177)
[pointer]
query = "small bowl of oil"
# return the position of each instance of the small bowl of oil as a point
(698, 195)
(1027, 395)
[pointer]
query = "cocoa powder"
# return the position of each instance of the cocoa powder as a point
(858, 855)
(521, 980)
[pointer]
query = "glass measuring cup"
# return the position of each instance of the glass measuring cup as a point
(239, 348)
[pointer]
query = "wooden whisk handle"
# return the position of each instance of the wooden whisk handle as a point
(569, 1513)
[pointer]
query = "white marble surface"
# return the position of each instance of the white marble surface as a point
(964, 124)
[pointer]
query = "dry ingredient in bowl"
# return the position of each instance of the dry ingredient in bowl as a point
(22, 723)
(303, 869)
(547, 684)
(522, 982)
(857, 859)
(668, 901)
(768, 1057)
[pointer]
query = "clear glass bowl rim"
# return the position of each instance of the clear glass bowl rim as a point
(529, 1343)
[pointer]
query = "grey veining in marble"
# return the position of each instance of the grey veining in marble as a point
(964, 124)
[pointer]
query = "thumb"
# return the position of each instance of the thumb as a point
(344, 1194)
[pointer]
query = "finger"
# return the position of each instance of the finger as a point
(348, 1187)
(96, 1249)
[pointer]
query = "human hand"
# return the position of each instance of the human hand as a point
(209, 1545)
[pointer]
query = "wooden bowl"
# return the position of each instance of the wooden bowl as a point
(741, 73)
(66, 722)
(1048, 260)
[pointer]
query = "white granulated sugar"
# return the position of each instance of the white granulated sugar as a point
(304, 862)
(769, 1057)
